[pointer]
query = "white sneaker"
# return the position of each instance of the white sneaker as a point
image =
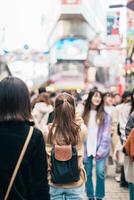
(118, 178)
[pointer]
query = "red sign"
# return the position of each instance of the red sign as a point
(68, 2)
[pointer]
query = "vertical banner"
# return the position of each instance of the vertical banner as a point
(113, 28)
(130, 29)
(113, 19)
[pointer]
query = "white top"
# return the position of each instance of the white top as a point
(92, 134)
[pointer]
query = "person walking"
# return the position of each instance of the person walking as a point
(41, 110)
(15, 116)
(98, 143)
(67, 129)
(123, 112)
(128, 163)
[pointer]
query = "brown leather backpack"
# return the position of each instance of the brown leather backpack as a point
(64, 164)
(129, 145)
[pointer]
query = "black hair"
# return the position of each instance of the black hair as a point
(88, 106)
(41, 90)
(14, 100)
(132, 101)
(107, 94)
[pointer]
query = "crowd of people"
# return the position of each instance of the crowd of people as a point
(73, 133)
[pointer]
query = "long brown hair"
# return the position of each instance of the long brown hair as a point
(99, 109)
(64, 126)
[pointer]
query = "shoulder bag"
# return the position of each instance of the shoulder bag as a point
(129, 145)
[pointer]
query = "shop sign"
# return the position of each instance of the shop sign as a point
(68, 2)
(113, 28)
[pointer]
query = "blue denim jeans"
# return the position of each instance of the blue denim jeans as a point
(131, 191)
(100, 178)
(77, 193)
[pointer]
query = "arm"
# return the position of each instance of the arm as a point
(114, 122)
(130, 124)
(84, 132)
(103, 148)
(39, 183)
(123, 118)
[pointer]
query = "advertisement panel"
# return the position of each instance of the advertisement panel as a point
(71, 49)
(113, 28)
(130, 31)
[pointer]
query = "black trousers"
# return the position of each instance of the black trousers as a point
(123, 182)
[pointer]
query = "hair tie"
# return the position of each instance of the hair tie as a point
(63, 101)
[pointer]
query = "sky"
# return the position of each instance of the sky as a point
(28, 22)
(22, 22)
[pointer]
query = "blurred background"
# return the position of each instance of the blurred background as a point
(68, 44)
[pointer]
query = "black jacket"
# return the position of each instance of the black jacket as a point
(31, 181)
(130, 124)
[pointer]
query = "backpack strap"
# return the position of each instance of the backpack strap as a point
(18, 163)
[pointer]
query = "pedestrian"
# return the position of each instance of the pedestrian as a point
(123, 112)
(98, 143)
(67, 129)
(15, 123)
(116, 99)
(41, 110)
(128, 163)
(111, 110)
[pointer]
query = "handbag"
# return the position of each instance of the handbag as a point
(18, 163)
(129, 145)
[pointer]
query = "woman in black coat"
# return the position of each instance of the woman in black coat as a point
(15, 114)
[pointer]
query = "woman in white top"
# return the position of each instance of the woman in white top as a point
(98, 143)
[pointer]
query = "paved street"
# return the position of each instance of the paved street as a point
(113, 190)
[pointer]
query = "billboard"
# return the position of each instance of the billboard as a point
(113, 28)
(71, 49)
(130, 31)
(113, 19)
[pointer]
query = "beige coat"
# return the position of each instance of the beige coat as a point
(120, 115)
(114, 134)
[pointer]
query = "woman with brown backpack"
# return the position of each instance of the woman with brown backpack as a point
(65, 149)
